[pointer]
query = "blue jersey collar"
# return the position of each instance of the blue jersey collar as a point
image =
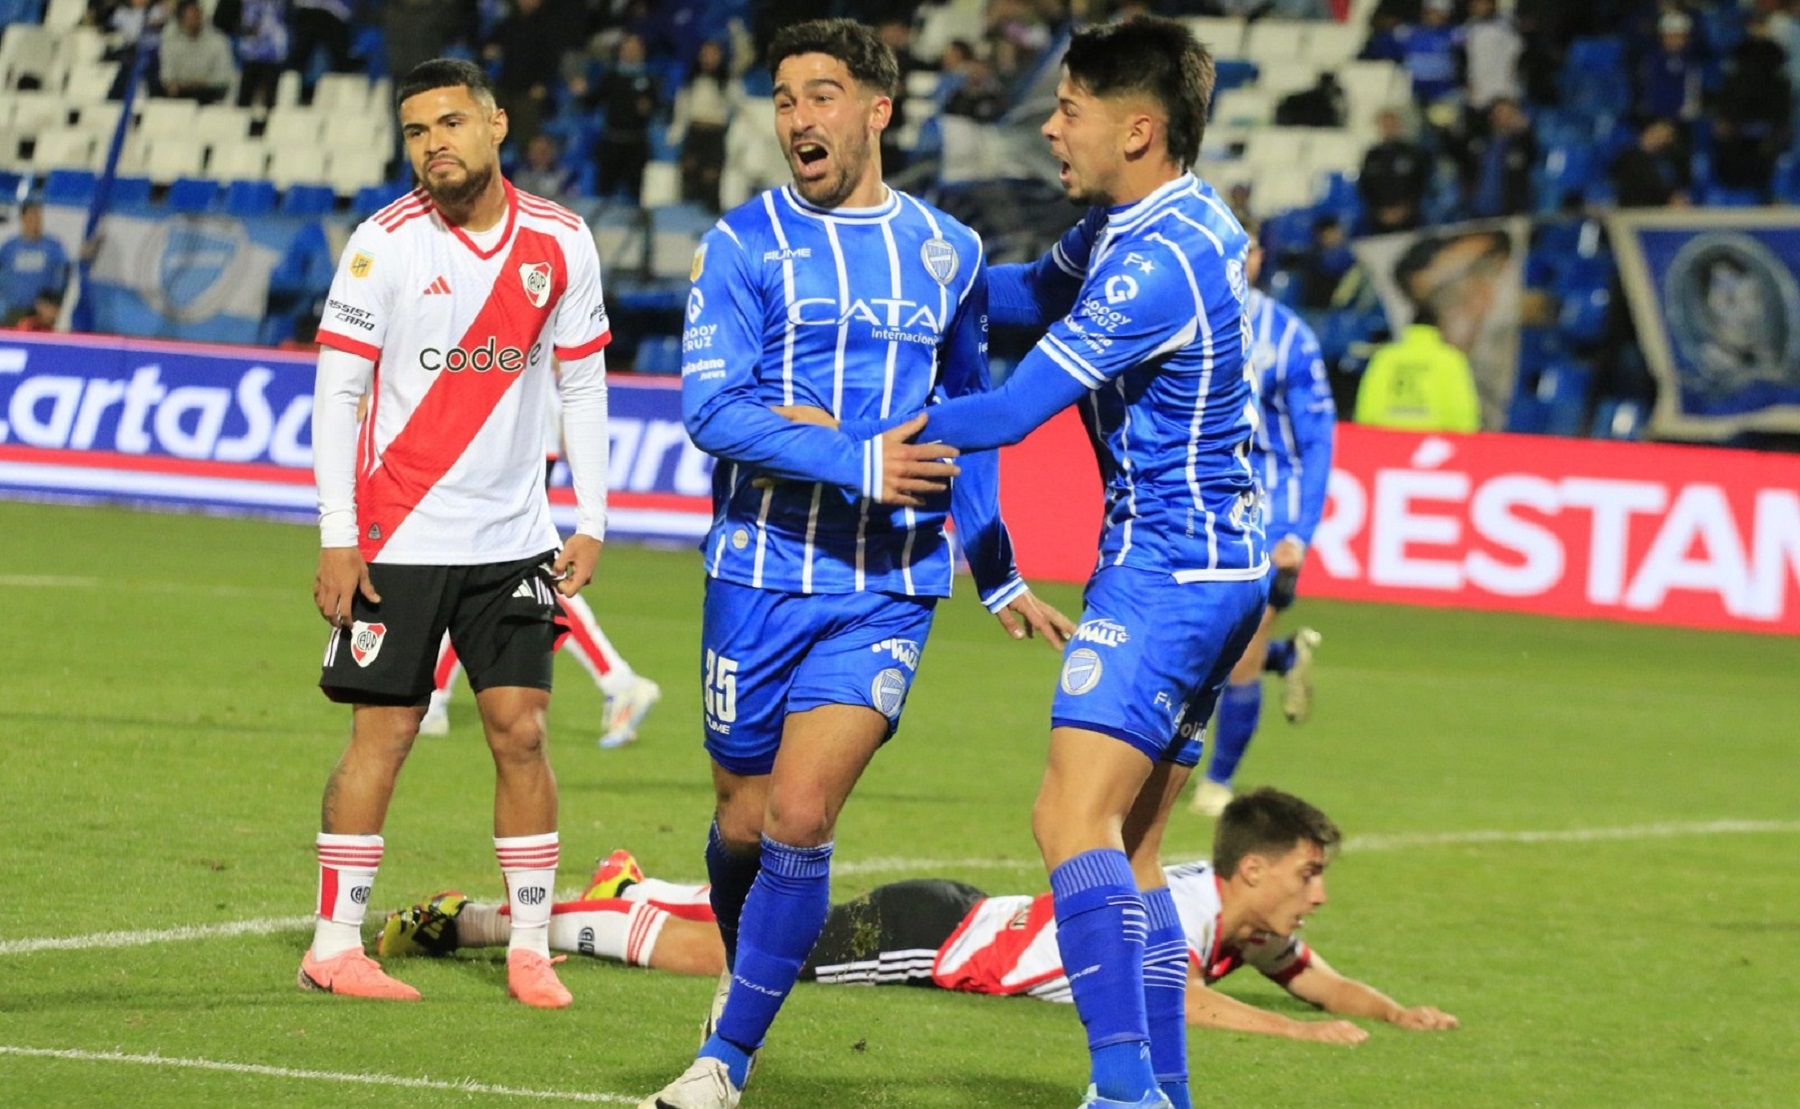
(1123, 216)
(883, 211)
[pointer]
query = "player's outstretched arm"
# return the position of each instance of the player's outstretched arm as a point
(1028, 615)
(1208, 1008)
(1334, 993)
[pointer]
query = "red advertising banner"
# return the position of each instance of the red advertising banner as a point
(1691, 536)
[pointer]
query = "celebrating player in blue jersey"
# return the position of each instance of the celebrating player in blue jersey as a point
(1144, 301)
(838, 293)
(1293, 458)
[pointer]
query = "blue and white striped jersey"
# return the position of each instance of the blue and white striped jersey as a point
(864, 313)
(1150, 340)
(1299, 418)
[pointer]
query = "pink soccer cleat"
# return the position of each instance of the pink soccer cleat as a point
(531, 978)
(352, 974)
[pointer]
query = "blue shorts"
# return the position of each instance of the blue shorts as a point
(1151, 654)
(765, 655)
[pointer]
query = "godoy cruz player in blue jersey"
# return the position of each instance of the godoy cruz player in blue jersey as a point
(1144, 304)
(1293, 459)
(839, 293)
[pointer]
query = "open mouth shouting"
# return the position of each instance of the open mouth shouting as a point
(811, 160)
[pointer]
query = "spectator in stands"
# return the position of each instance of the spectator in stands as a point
(319, 25)
(1323, 105)
(1497, 164)
(631, 99)
(527, 46)
(542, 173)
(703, 110)
(30, 262)
(1492, 48)
(261, 27)
(195, 61)
(1653, 172)
(127, 24)
(953, 70)
(1322, 268)
(1420, 381)
(1669, 75)
(896, 33)
(1754, 111)
(43, 315)
(1395, 173)
(1430, 51)
(981, 96)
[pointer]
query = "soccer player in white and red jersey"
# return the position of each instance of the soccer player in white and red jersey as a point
(1245, 909)
(447, 309)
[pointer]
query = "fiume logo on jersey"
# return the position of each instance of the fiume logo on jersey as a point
(905, 651)
(1081, 671)
(939, 258)
(535, 276)
(365, 642)
(888, 692)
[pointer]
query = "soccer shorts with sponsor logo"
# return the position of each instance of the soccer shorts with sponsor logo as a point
(890, 935)
(766, 654)
(1150, 656)
(502, 618)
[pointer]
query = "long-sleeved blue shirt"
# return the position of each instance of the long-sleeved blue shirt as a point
(1145, 309)
(864, 313)
(1299, 418)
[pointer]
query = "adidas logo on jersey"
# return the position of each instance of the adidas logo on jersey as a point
(524, 590)
(437, 288)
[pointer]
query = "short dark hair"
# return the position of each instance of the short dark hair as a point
(863, 53)
(445, 73)
(1268, 822)
(1151, 55)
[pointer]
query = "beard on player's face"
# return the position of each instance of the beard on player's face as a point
(450, 190)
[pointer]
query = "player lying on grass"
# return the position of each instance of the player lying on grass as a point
(1270, 851)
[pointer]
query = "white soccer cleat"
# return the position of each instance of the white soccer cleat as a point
(1297, 684)
(437, 716)
(721, 994)
(705, 1085)
(1155, 1099)
(627, 710)
(1210, 798)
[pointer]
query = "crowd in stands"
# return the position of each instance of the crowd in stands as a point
(1538, 108)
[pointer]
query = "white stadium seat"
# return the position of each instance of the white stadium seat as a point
(90, 82)
(222, 123)
(1278, 147)
(1335, 151)
(294, 165)
(1222, 36)
(168, 117)
(351, 170)
(1289, 77)
(34, 111)
(343, 93)
(1280, 188)
(293, 127)
(63, 148)
(238, 161)
(1329, 45)
(170, 156)
(25, 49)
(1274, 43)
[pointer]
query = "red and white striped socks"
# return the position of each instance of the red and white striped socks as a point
(347, 866)
(610, 929)
(529, 866)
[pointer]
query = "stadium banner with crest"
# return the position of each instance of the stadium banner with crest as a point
(203, 278)
(95, 419)
(1592, 529)
(1715, 294)
(1472, 276)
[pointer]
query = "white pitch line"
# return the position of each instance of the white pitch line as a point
(463, 1086)
(891, 864)
(164, 935)
(46, 581)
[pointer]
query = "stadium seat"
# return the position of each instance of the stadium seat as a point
(659, 354)
(239, 161)
(169, 157)
(292, 165)
(12, 184)
(90, 82)
(1618, 419)
(1276, 43)
(373, 198)
(1283, 147)
(307, 200)
(250, 198)
(218, 124)
(26, 50)
(71, 148)
(129, 193)
(346, 94)
(69, 186)
(34, 112)
(293, 127)
(1223, 36)
(1234, 73)
(168, 117)
(1563, 390)
(1330, 45)
(192, 195)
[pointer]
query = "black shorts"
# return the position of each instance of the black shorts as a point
(1282, 586)
(890, 935)
(502, 618)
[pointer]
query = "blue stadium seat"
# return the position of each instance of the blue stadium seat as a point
(1538, 346)
(1583, 316)
(1563, 390)
(129, 192)
(373, 198)
(192, 195)
(660, 354)
(1568, 171)
(250, 198)
(307, 200)
(12, 185)
(1526, 415)
(69, 186)
(1230, 73)
(1618, 419)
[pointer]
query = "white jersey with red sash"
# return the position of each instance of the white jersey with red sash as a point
(1007, 945)
(462, 329)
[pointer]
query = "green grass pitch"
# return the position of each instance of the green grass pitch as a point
(164, 748)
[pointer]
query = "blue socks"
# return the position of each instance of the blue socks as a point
(1240, 707)
(781, 921)
(731, 876)
(1100, 926)
(1280, 658)
(1165, 995)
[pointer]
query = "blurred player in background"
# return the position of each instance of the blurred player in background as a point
(629, 695)
(433, 516)
(1293, 458)
(1144, 305)
(1244, 909)
(839, 293)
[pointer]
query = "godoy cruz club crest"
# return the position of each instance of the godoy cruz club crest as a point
(939, 258)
